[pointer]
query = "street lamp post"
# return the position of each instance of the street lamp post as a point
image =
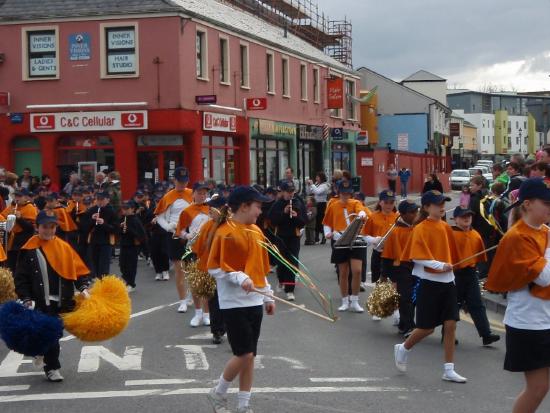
(520, 143)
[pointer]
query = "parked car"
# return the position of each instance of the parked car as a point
(459, 178)
(484, 171)
(487, 163)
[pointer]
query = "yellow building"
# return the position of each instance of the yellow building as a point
(469, 134)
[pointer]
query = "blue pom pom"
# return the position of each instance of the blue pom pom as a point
(28, 332)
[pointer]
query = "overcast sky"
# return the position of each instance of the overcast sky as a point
(471, 43)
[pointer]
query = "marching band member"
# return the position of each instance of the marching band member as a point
(64, 222)
(25, 213)
(75, 207)
(189, 225)
(521, 267)
(48, 270)
(132, 236)
(432, 249)
(337, 218)
(240, 266)
(400, 272)
(167, 215)
(288, 216)
(468, 243)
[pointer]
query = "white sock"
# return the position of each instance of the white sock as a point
(243, 398)
(449, 366)
(198, 312)
(222, 386)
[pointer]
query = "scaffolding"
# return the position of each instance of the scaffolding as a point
(303, 19)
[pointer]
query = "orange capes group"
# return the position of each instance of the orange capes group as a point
(200, 247)
(335, 217)
(61, 257)
(236, 247)
(64, 220)
(431, 240)
(188, 215)
(27, 211)
(396, 242)
(468, 243)
(171, 196)
(519, 260)
(379, 223)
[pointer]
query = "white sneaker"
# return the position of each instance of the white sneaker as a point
(189, 298)
(396, 318)
(279, 288)
(196, 320)
(449, 374)
(218, 401)
(158, 277)
(354, 305)
(54, 375)
(401, 355)
(345, 304)
(363, 285)
(38, 362)
(130, 289)
(183, 307)
(290, 297)
(165, 276)
(376, 318)
(206, 319)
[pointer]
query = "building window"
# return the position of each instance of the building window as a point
(286, 77)
(350, 104)
(41, 58)
(202, 55)
(270, 73)
(525, 125)
(484, 140)
(316, 85)
(245, 77)
(303, 81)
(224, 61)
(218, 158)
(121, 50)
(268, 160)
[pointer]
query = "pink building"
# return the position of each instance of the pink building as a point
(143, 87)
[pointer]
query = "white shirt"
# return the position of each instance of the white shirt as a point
(231, 294)
(420, 271)
(319, 192)
(169, 218)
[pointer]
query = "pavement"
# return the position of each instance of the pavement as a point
(305, 364)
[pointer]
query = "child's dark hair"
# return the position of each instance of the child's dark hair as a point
(224, 215)
(498, 188)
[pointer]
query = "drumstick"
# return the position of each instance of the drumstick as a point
(475, 255)
(386, 235)
(307, 310)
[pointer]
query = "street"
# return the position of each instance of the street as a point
(161, 364)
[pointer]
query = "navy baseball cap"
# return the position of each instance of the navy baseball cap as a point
(407, 206)
(181, 174)
(139, 193)
(22, 192)
(434, 197)
(129, 203)
(77, 191)
(199, 185)
(345, 187)
(102, 195)
(462, 212)
(287, 186)
(44, 217)
(534, 188)
(386, 195)
(242, 194)
(271, 190)
(217, 201)
(52, 196)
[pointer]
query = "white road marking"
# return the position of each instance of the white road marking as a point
(195, 358)
(190, 391)
(158, 382)
(135, 315)
(347, 379)
(20, 387)
(12, 362)
(202, 336)
(90, 356)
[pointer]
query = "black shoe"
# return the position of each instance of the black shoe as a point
(490, 339)
(323, 241)
(217, 338)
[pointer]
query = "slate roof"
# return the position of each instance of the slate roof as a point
(423, 76)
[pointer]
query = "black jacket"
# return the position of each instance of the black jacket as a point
(29, 283)
(134, 234)
(432, 185)
(22, 237)
(102, 234)
(286, 226)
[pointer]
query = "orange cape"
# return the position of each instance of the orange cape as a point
(396, 242)
(188, 215)
(519, 260)
(236, 247)
(468, 243)
(61, 257)
(200, 248)
(334, 215)
(170, 197)
(379, 223)
(64, 221)
(28, 211)
(431, 240)
(3, 256)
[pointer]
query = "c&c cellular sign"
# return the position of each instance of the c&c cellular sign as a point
(88, 121)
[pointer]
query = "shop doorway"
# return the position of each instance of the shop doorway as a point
(340, 157)
(310, 161)
(157, 164)
(26, 153)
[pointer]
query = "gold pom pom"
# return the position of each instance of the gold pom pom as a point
(383, 300)
(104, 315)
(201, 283)
(7, 287)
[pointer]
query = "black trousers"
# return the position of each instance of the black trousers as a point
(216, 316)
(392, 184)
(83, 250)
(158, 247)
(101, 259)
(375, 265)
(51, 357)
(321, 208)
(12, 260)
(405, 283)
(127, 262)
(290, 250)
(469, 296)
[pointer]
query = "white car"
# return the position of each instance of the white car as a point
(484, 171)
(459, 178)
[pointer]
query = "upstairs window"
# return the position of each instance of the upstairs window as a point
(245, 77)
(316, 85)
(224, 61)
(201, 55)
(286, 77)
(121, 50)
(41, 54)
(350, 104)
(303, 81)
(270, 73)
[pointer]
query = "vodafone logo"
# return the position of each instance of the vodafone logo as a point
(43, 122)
(208, 124)
(132, 120)
(256, 104)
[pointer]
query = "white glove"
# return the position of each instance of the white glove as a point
(362, 214)
(336, 236)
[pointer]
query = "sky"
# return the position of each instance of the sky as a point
(471, 43)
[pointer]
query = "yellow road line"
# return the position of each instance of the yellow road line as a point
(495, 325)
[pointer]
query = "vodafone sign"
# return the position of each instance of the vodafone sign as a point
(256, 104)
(88, 121)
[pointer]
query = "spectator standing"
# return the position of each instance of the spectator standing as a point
(432, 184)
(320, 190)
(404, 176)
(391, 175)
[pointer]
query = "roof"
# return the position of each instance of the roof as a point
(423, 76)
(408, 89)
(469, 124)
(213, 11)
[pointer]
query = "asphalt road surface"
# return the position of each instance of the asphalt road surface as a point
(161, 364)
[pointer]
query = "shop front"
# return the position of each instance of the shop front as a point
(343, 146)
(272, 150)
(310, 152)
